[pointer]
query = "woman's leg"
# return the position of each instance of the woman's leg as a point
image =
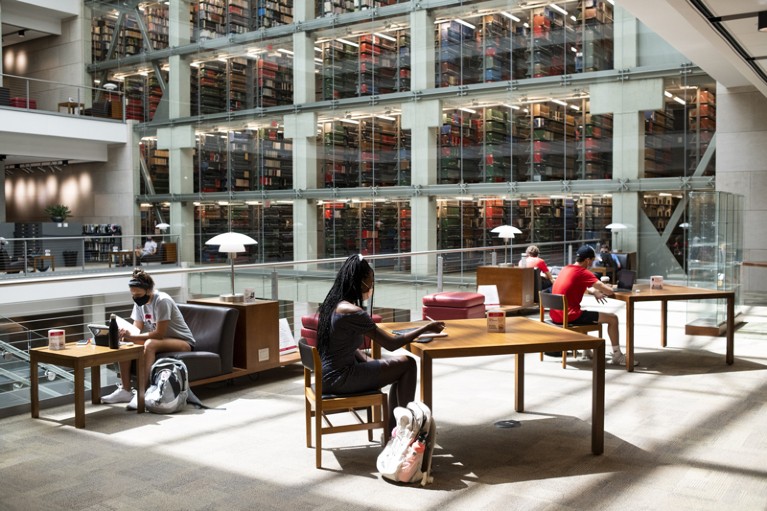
(154, 346)
(401, 372)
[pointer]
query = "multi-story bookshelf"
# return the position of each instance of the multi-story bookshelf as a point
(340, 143)
(594, 156)
(157, 163)
(458, 226)
(659, 125)
(209, 19)
(702, 125)
(459, 149)
(273, 83)
(271, 13)
(276, 160)
(457, 52)
(210, 163)
(277, 244)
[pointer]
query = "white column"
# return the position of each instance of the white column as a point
(421, 50)
(302, 130)
(180, 143)
(304, 83)
(626, 101)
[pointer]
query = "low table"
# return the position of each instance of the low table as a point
(36, 260)
(78, 358)
(119, 257)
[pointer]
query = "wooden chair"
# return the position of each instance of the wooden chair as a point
(553, 301)
(319, 405)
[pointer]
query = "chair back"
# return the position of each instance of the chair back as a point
(555, 302)
(307, 354)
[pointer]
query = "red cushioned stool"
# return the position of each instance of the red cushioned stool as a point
(310, 324)
(454, 305)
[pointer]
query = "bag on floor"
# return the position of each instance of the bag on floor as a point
(169, 390)
(407, 456)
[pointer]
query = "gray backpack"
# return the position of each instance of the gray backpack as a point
(169, 391)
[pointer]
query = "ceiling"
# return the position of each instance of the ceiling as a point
(27, 20)
(720, 36)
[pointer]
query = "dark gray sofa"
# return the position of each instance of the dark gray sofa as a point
(213, 330)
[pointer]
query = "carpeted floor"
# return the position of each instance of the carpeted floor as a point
(683, 432)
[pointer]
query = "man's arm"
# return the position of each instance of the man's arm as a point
(600, 291)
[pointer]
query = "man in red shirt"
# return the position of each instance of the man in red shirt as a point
(531, 260)
(574, 281)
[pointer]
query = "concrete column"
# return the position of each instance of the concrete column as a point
(302, 130)
(421, 50)
(626, 37)
(180, 143)
(626, 101)
(304, 84)
(423, 119)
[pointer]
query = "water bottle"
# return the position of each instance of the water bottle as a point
(114, 333)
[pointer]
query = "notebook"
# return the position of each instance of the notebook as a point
(626, 280)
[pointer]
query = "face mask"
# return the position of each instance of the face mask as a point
(141, 300)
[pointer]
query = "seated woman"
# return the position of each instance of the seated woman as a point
(532, 259)
(162, 328)
(343, 324)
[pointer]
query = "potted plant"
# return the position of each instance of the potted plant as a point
(58, 213)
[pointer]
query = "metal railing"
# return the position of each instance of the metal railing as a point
(62, 98)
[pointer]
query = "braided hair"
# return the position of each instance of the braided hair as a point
(141, 279)
(347, 286)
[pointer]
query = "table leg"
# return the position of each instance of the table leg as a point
(142, 376)
(34, 399)
(630, 335)
(663, 323)
(79, 396)
(519, 382)
(426, 380)
(96, 385)
(730, 357)
(598, 401)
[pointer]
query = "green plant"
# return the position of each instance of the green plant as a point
(58, 211)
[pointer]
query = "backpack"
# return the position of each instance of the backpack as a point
(169, 391)
(407, 456)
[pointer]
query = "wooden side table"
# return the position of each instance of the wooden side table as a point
(36, 260)
(119, 257)
(78, 358)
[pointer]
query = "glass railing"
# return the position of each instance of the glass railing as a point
(73, 301)
(66, 99)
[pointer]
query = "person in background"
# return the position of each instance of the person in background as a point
(150, 248)
(162, 328)
(607, 259)
(343, 324)
(532, 259)
(574, 281)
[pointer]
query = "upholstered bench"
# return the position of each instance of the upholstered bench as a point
(454, 305)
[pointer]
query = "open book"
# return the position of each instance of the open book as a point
(425, 335)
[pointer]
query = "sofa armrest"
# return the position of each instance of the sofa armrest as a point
(213, 329)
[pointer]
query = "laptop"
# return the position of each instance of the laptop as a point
(626, 280)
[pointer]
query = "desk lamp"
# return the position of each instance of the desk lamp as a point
(231, 243)
(506, 232)
(163, 228)
(617, 227)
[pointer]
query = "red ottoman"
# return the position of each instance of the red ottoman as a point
(454, 305)
(24, 103)
(310, 324)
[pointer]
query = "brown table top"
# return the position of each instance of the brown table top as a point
(643, 293)
(88, 352)
(469, 337)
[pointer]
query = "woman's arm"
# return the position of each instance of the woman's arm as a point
(392, 342)
(157, 333)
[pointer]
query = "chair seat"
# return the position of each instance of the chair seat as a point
(344, 396)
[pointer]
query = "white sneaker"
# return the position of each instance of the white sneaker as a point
(118, 396)
(619, 359)
(586, 355)
(133, 402)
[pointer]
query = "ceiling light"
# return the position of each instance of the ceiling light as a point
(22, 33)
(348, 42)
(667, 94)
(558, 102)
(510, 16)
(679, 100)
(558, 9)
(465, 23)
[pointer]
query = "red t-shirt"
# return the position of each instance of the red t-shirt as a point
(572, 281)
(537, 262)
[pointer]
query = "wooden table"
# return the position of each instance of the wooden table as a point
(36, 260)
(78, 358)
(119, 257)
(72, 107)
(470, 338)
(643, 293)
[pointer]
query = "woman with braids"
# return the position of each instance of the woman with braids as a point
(162, 328)
(343, 324)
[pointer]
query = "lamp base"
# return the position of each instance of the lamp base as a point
(233, 298)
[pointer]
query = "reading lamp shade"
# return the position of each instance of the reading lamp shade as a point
(231, 243)
(762, 21)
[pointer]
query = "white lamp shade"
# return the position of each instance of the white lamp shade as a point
(231, 238)
(506, 231)
(616, 226)
(163, 226)
(231, 248)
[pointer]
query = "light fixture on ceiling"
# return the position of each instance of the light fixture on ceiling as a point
(762, 21)
(22, 33)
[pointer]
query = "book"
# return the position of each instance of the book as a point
(426, 335)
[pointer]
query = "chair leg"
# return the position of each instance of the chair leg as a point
(318, 438)
(308, 414)
(564, 359)
(371, 418)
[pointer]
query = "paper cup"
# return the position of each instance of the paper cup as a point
(56, 339)
(496, 320)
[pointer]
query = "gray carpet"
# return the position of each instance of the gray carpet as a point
(684, 432)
